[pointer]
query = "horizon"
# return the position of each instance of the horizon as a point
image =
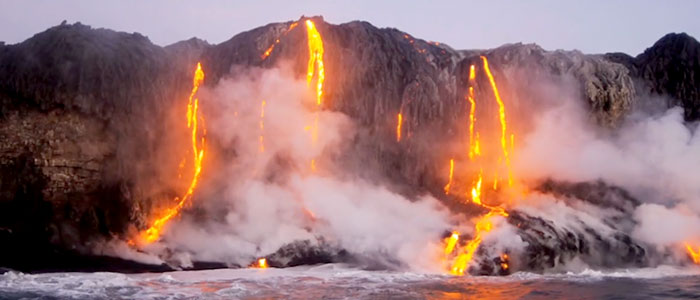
(594, 27)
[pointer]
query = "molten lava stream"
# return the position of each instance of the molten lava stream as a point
(315, 69)
(501, 116)
(449, 182)
(399, 122)
(484, 224)
(269, 50)
(694, 254)
(261, 263)
(198, 142)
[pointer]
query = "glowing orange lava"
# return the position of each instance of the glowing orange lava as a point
(315, 65)
(451, 242)
(484, 224)
(504, 261)
(452, 171)
(261, 263)
(399, 122)
(473, 144)
(501, 116)
(267, 52)
(694, 254)
(476, 190)
(193, 115)
(315, 69)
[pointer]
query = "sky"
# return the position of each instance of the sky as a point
(592, 26)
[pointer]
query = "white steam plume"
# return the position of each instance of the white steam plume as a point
(272, 198)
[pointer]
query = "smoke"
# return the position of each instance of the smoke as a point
(263, 193)
(653, 155)
(260, 193)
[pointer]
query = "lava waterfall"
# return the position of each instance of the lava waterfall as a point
(308, 142)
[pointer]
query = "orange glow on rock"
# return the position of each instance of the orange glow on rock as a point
(694, 254)
(399, 121)
(473, 144)
(501, 116)
(262, 263)
(476, 190)
(315, 65)
(484, 224)
(451, 242)
(154, 232)
(449, 182)
(315, 70)
(269, 50)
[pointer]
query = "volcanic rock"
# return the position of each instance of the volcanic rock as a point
(669, 68)
(86, 136)
(78, 107)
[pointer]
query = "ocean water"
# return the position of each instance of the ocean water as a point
(335, 281)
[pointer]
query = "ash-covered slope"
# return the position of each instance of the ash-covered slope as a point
(83, 116)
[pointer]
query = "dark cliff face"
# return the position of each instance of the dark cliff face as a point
(671, 68)
(86, 114)
(78, 119)
(375, 73)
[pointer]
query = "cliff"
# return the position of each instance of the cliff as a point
(82, 118)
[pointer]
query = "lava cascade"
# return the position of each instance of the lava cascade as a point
(399, 123)
(315, 70)
(154, 232)
(694, 254)
(462, 256)
(269, 50)
(261, 263)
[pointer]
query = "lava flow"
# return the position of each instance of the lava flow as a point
(267, 52)
(154, 231)
(449, 182)
(484, 224)
(261, 263)
(399, 122)
(694, 254)
(315, 69)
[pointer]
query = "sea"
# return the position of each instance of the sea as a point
(338, 281)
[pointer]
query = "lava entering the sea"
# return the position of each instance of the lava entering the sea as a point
(462, 256)
(694, 254)
(261, 263)
(154, 232)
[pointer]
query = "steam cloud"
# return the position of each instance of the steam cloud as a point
(654, 155)
(271, 198)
